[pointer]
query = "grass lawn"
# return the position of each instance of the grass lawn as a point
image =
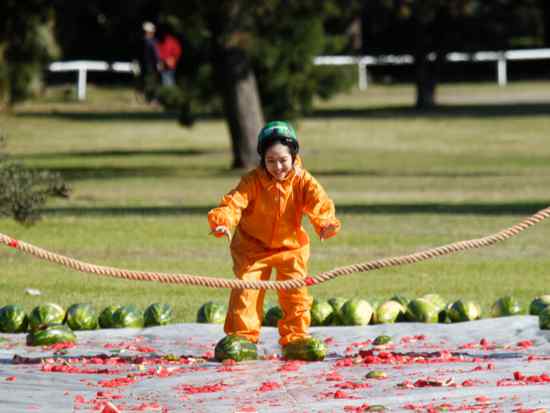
(402, 181)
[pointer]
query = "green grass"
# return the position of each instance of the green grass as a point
(402, 181)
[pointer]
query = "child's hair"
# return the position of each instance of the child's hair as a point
(283, 140)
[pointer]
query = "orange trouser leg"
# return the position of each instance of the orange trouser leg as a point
(296, 302)
(245, 309)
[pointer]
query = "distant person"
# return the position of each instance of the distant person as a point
(151, 60)
(169, 52)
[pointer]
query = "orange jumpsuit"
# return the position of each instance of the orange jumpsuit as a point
(269, 235)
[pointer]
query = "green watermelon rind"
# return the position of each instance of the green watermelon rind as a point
(272, 316)
(157, 314)
(128, 316)
(462, 311)
(13, 319)
(307, 349)
(544, 319)
(236, 348)
(74, 315)
(539, 304)
(388, 312)
(506, 306)
(105, 318)
(321, 312)
(44, 314)
(422, 311)
(51, 334)
(335, 318)
(356, 312)
(211, 313)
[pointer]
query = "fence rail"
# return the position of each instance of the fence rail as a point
(500, 57)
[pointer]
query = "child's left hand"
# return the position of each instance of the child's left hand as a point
(327, 232)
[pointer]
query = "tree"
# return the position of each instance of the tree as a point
(429, 29)
(252, 59)
(26, 44)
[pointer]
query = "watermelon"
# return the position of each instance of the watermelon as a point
(506, 306)
(439, 303)
(464, 311)
(376, 374)
(321, 312)
(157, 315)
(307, 349)
(235, 348)
(422, 311)
(128, 316)
(404, 301)
(388, 312)
(81, 317)
(13, 319)
(272, 317)
(335, 319)
(106, 316)
(539, 304)
(382, 340)
(544, 319)
(48, 334)
(356, 312)
(48, 313)
(211, 312)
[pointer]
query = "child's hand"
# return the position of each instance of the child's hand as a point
(221, 231)
(327, 232)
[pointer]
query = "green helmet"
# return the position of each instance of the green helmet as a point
(276, 128)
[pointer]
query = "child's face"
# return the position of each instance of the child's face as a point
(278, 161)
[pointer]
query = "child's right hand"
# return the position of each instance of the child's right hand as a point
(221, 231)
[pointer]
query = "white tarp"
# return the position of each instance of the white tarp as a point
(498, 365)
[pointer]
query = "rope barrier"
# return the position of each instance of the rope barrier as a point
(214, 282)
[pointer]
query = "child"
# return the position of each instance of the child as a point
(266, 208)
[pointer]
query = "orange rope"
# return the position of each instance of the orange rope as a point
(214, 282)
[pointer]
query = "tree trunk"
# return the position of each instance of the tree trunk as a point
(242, 105)
(425, 82)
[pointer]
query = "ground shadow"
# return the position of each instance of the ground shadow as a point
(518, 208)
(121, 153)
(107, 116)
(443, 111)
(71, 174)
(415, 174)
(525, 209)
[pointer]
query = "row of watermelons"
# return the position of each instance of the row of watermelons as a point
(14, 319)
(430, 308)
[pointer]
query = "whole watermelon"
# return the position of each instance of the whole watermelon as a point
(13, 319)
(272, 317)
(335, 319)
(157, 315)
(321, 311)
(50, 334)
(356, 312)
(128, 316)
(81, 317)
(539, 304)
(439, 303)
(235, 348)
(307, 349)
(422, 311)
(464, 311)
(44, 314)
(544, 319)
(388, 312)
(506, 306)
(106, 316)
(404, 301)
(211, 312)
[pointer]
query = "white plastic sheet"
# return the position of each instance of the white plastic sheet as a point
(488, 365)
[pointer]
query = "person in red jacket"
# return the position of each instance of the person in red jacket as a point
(169, 53)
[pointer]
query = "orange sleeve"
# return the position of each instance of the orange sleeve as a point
(228, 213)
(319, 207)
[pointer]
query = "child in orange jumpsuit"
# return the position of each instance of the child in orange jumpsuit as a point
(266, 210)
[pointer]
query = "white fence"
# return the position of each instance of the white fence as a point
(85, 66)
(500, 58)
